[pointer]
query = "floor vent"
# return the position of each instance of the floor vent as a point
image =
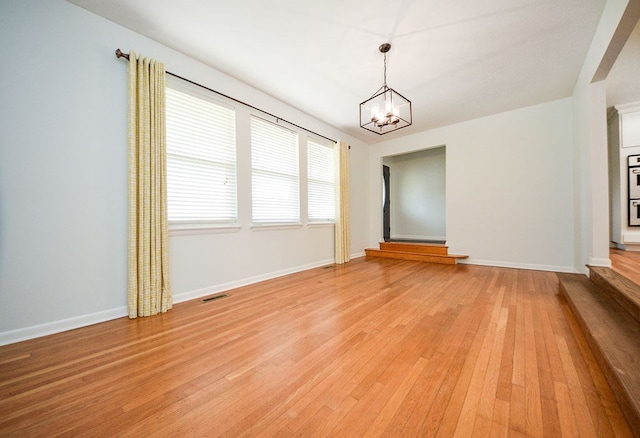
(213, 298)
(328, 266)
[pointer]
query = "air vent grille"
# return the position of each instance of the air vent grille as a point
(213, 298)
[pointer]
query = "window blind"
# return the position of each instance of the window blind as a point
(275, 176)
(201, 159)
(321, 181)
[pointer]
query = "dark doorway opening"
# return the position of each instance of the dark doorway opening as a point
(386, 204)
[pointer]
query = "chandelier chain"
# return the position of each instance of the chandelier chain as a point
(385, 69)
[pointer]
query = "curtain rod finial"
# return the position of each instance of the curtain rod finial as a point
(120, 54)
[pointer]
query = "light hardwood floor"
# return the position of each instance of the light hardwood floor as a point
(377, 347)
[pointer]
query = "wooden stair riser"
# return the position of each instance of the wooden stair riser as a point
(624, 291)
(415, 248)
(429, 258)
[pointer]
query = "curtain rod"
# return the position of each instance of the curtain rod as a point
(121, 54)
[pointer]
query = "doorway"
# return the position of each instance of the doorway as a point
(386, 203)
(415, 181)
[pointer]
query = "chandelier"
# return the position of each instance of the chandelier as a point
(387, 110)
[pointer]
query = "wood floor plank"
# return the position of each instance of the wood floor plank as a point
(447, 345)
(578, 402)
(454, 400)
(393, 404)
(568, 426)
(482, 380)
(503, 391)
(375, 347)
(531, 373)
(548, 359)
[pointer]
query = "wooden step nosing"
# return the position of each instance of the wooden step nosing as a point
(444, 256)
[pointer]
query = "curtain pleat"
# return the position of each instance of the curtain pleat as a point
(149, 289)
(342, 238)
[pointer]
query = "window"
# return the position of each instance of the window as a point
(274, 173)
(201, 157)
(321, 183)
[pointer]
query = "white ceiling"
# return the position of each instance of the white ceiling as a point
(455, 60)
(623, 81)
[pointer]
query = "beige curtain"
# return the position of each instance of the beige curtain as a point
(149, 290)
(343, 245)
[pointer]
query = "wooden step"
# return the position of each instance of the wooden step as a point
(624, 291)
(445, 259)
(614, 337)
(419, 248)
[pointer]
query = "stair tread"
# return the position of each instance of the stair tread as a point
(613, 334)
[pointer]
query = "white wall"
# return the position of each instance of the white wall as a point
(63, 177)
(509, 188)
(418, 195)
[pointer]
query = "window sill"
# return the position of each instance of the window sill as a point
(321, 224)
(195, 229)
(270, 227)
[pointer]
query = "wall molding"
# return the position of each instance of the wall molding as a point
(596, 261)
(199, 293)
(527, 266)
(63, 325)
(36, 331)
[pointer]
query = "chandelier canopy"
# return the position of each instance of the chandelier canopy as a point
(387, 110)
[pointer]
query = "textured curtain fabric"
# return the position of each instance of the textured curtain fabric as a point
(149, 290)
(343, 241)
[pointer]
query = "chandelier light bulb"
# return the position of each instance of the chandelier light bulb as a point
(375, 112)
(388, 107)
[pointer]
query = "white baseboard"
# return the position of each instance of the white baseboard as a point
(631, 237)
(529, 266)
(627, 247)
(199, 293)
(36, 331)
(63, 325)
(23, 334)
(595, 261)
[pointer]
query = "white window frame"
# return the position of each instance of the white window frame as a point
(224, 163)
(275, 164)
(321, 186)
